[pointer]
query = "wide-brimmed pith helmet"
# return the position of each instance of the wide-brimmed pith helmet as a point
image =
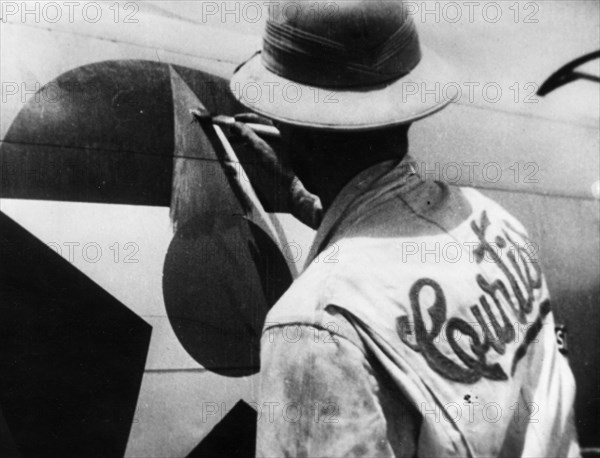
(345, 65)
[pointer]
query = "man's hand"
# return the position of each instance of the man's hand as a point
(303, 205)
(276, 164)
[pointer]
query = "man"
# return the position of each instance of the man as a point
(376, 350)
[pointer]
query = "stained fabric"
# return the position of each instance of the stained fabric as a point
(327, 398)
(442, 290)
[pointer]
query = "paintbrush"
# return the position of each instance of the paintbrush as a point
(203, 115)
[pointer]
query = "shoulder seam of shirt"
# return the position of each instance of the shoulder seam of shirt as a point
(322, 328)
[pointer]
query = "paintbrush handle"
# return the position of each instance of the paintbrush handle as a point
(260, 129)
(226, 121)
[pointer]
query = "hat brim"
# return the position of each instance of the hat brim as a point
(428, 88)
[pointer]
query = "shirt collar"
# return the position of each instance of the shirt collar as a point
(364, 181)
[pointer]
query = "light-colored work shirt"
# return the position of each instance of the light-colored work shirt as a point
(421, 326)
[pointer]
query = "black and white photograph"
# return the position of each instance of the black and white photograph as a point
(299, 228)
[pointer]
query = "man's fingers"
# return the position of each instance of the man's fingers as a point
(242, 130)
(253, 140)
(253, 118)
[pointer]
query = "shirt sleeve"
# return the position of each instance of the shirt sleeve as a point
(321, 398)
(304, 205)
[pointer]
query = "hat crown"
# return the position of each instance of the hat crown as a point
(365, 24)
(341, 44)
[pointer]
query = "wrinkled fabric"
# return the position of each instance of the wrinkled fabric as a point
(446, 299)
(326, 399)
(304, 205)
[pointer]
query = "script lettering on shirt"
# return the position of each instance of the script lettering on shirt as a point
(521, 279)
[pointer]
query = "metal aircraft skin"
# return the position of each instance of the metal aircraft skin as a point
(94, 123)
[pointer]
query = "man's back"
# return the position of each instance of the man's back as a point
(441, 288)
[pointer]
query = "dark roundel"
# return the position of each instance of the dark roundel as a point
(221, 276)
(103, 132)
